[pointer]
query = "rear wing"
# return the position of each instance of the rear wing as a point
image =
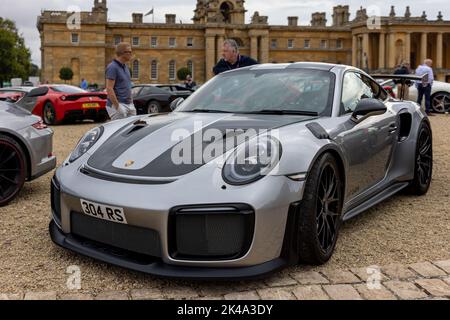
(401, 78)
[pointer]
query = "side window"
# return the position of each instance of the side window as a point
(354, 90)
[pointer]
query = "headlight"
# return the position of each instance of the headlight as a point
(252, 160)
(88, 140)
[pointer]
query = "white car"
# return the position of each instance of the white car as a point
(440, 94)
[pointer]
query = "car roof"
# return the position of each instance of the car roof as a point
(24, 89)
(298, 65)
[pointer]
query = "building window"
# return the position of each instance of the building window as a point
(274, 44)
(75, 38)
(339, 44)
(154, 42)
(117, 40)
(307, 44)
(172, 67)
(290, 44)
(154, 70)
(190, 42)
(323, 44)
(135, 70)
(190, 66)
(135, 41)
(172, 42)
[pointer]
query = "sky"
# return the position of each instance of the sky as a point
(25, 12)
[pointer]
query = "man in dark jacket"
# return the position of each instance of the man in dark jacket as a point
(231, 58)
(403, 69)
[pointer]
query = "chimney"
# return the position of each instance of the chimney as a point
(341, 15)
(292, 21)
(137, 18)
(171, 18)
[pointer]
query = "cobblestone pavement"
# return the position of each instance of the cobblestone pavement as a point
(418, 281)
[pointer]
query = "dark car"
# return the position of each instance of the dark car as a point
(178, 90)
(151, 99)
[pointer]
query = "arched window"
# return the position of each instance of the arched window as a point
(135, 70)
(225, 10)
(172, 66)
(154, 70)
(190, 66)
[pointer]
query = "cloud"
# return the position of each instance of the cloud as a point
(25, 12)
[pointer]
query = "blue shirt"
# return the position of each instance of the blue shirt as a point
(120, 73)
(425, 70)
(84, 85)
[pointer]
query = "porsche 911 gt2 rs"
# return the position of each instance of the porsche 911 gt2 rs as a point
(254, 171)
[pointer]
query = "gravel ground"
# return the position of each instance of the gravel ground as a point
(403, 229)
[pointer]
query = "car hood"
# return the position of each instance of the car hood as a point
(145, 147)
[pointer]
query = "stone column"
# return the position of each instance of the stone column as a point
(439, 50)
(354, 51)
(210, 54)
(382, 51)
(264, 49)
(391, 63)
(423, 47)
(254, 47)
(408, 47)
(366, 51)
(220, 40)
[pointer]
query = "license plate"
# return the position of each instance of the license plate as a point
(90, 105)
(100, 211)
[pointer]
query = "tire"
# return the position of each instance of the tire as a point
(440, 102)
(320, 214)
(13, 169)
(101, 118)
(153, 107)
(423, 168)
(49, 114)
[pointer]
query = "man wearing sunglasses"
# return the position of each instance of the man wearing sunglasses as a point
(118, 84)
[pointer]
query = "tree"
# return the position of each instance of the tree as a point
(183, 73)
(66, 74)
(35, 71)
(15, 57)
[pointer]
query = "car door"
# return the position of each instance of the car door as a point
(368, 144)
(137, 97)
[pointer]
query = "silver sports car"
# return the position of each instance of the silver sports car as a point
(25, 146)
(255, 171)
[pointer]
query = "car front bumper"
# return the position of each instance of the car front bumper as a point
(150, 208)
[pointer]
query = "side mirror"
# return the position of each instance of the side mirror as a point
(41, 91)
(176, 103)
(367, 108)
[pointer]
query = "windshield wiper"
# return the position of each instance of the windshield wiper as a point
(287, 112)
(208, 111)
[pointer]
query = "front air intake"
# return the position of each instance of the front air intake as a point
(222, 232)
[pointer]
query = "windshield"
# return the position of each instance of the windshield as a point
(68, 89)
(253, 91)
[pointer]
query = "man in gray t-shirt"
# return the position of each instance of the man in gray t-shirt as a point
(118, 84)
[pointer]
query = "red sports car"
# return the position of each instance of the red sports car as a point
(64, 102)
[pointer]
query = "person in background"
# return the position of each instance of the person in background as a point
(118, 84)
(424, 86)
(84, 84)
(403, 69)
(231, 58)
(189, 83)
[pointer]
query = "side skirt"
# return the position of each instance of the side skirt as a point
(376, 199)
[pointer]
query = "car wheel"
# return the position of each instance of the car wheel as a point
(49, 114)
(153, 107)
(101, 118)
(12, 169)
(440, 102)
(320, 212)
(423, 168)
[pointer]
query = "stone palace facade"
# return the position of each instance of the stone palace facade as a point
(160, 49)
